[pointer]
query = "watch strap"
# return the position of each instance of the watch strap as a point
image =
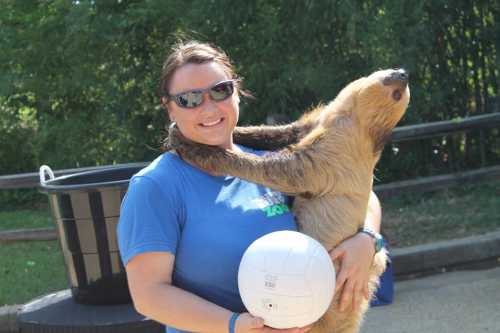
(379, 240)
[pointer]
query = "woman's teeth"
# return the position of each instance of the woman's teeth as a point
(212, 123)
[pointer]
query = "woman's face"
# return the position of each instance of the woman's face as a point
(211, 122)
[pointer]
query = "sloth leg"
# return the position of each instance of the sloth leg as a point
(290, 171)
(266, 137)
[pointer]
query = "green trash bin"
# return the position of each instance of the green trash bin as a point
(86, 208)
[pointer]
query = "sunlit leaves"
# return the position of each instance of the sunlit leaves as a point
(91, 68)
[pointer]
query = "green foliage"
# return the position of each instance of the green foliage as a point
(17, 126)
(78, 79)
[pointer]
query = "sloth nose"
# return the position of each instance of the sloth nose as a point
(398, 77)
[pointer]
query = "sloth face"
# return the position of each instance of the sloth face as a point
(383, 92)
(380, 102)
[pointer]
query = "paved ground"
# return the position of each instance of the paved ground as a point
(465, 301)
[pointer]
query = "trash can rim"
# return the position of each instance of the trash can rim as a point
(49, 186)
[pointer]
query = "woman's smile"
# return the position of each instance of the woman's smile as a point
(213, 123)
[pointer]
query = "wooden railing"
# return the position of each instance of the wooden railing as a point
(435, 129)
(403, 133)
(439, 128)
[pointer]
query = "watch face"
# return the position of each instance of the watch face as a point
(379, 243)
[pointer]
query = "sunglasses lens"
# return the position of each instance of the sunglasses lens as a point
(221, 91)
(189, 99)
(192, 99)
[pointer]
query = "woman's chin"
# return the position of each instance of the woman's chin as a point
(225, 144)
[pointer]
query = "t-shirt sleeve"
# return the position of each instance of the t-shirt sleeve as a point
(149, 219)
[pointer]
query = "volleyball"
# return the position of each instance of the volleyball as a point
(287, 278)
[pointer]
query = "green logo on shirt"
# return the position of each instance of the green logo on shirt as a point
(274, 210)
(272, 204)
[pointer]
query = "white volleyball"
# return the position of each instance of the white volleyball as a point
(287, 278)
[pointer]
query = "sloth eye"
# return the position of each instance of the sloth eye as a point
(396, 94)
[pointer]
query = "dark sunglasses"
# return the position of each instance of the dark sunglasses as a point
(193, 98)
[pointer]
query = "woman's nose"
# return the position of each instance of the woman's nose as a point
(208, 104)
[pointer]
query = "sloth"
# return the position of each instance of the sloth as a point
(325, 160)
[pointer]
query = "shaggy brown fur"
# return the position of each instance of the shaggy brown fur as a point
(327, 163)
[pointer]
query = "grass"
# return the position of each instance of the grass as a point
(25, 219)
(31, 269)
(454, 213)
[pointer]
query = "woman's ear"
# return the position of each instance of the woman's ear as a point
(164, 103)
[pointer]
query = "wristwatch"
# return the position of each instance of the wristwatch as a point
(379, 240)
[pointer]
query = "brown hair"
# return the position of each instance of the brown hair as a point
(194, 52)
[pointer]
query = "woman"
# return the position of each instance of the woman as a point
(182, 232)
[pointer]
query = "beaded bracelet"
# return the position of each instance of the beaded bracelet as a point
(232, 321)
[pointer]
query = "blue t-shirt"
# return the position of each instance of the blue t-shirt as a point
(206, 221)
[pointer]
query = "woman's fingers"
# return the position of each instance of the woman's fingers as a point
(355, 299)
(306, 328)
(358, 296)
(336, 253)
(341, 279)
(256, 322)
(352, 295)
(248, 323)
(347, 295)
(268, 329)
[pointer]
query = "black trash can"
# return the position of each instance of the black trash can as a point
(86, 207)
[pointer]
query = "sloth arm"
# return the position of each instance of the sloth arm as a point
(291, 171)
(266, 137)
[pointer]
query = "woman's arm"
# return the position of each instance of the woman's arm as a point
(154, 296)
(374, 213)
(150, 277)
(356, 255)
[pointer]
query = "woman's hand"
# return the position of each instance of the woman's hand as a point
(356, 256)
(246, 323)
